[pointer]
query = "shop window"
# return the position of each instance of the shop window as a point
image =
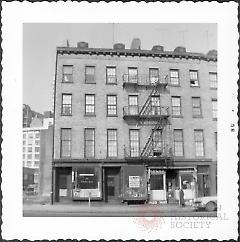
(111, 105)
(153, 75)
(194, 82)
(174, 77)
(66, 104)
(196, 107)
(66, 142)
(67, 73)
(178, 142)
(112, 142)
(132, 74)
(90, 104)
(199, 146)
(111, 75)
(176, 106)
(90, 74)
(213, 79)
(89, 143)
(134, 143)
(156, 182)
(187, 181)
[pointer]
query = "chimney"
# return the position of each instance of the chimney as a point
(212, 53)
(136, 44)
(180, 49)
(82, 45)
(118, 46)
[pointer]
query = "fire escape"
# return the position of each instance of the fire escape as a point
(158, 145)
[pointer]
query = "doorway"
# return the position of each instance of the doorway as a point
(112, 184)
(172, 182)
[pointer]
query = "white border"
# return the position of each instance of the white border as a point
(14, 14)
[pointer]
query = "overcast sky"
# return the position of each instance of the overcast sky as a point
(41, 39)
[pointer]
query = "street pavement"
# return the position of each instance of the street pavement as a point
(110, 210)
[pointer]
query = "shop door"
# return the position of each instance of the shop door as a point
(112, 184)
(64, 185)
(172, 184)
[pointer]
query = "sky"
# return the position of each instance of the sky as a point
(41, 39)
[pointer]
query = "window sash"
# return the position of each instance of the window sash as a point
(90, 74)
(65, 142)
(194, 79)
(67, 73)
(214, 108)
(111, 75)
(178, 142)
(112, 143)
(134, 143)
(111, 105)
(153, 75)
(89, 104)
(213, 79)
(66, 104)
(176, 106)
(89, 143)
(174, 77)
(199, 145)
(196, 106)
(132, 74)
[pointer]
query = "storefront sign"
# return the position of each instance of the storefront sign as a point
(134, 181)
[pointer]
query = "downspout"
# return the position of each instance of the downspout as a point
(54, 113)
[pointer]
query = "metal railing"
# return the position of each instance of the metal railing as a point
(153, 111)
(144, 80)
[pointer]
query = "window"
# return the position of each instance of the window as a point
(174, 77)
(36, 163)
(67, 74)
(29, 149)
(111, 75)
(156, 182)
(29, 156)
(134, 143)
(37, 135)
(37, 156)
(66, 142)
(89, 143)
(196, 107)
(198, 137)
(213, 79)
(37, 149)
(66, 104)
(29, 163)
(24, 136)
(214, 108)
(112, 142)
(89, 104)
(153, 75)
(37, 142)
(157, 143)
(178, 142)
(133, 74)
(90, 74)
(176, 106)
(111, 105)
(155, 106)
(23, 149)
(215, 135)
(133, 104)
(194, 78)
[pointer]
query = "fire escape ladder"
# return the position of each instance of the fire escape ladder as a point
(147, 148)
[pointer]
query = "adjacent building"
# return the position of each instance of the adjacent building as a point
(37, 154)
(133, 124)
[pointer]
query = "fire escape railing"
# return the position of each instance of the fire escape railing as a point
(144, 80)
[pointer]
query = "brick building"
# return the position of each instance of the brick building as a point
(134, 124)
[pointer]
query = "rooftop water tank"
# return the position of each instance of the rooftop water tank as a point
(158, 48)
(118, 46)
(82, 45)
(180, 49)
(136, 44)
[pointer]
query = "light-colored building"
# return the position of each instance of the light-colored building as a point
(134, 124)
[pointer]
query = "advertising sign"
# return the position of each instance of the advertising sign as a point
(134, 181)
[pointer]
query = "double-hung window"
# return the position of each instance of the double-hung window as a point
(196, 107)
(178, 142)
(153, 75)
(194, 82)
(213, 79)
(214, 108)
(176, 106)
(66, 142)
(174, 77)
(134, 142)
(67, 73)
(89, 143)
(111, 105)
(133, 104)
(132, 74)
(157, 143)
(90, 74)
(90, 104)
(155, 106)
(111, 75)
(199, 146)
(66, 104)
(112, 142)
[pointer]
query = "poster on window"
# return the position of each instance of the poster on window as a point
(134, 181)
